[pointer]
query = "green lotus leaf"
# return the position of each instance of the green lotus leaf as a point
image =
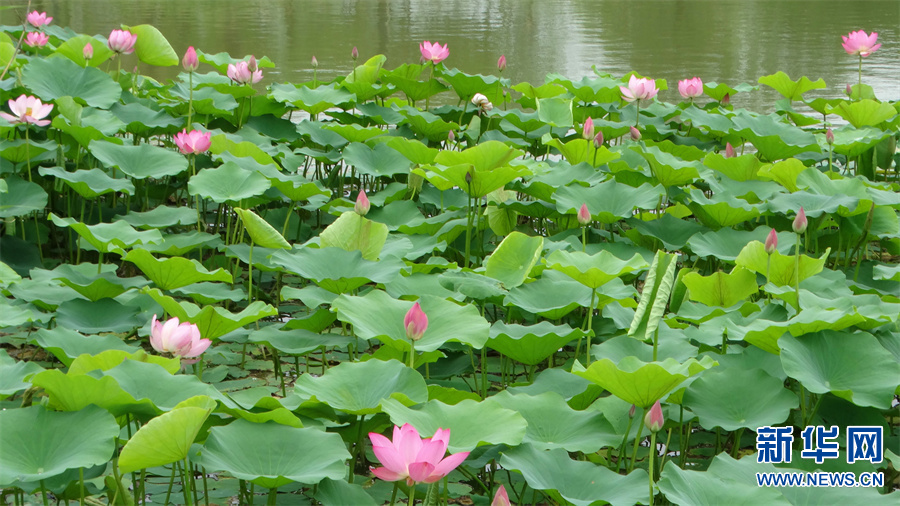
(171, 273)
(735, 398)
(22, 198)
(108, 359)
(152, 47)
(470, 284)
(228, 183)
(144, 380)
(593, 271)
(339, 492)
(717, 124)
(67, 344)
(349, 387)
(74, 392)
(160, 217)
(555, 295)
(641, 383)
(140, 119)
(180, 244)
(781, 269)
(608, 202)
(482, 182)
(335, 269)
(464, 420)
(260, 231)
(379, 160)
(426, 124)
(671, 345)
(791, 90)
(467, 85)
(211, 293)
(514, 258)
(140, 162)
(862, 113)
(164, 439)
(376, 315)
(271, 455)
(555, 111)
(104, 315)
(14, 373)
(353, 232)
(852, 142)
(89, 183)
(531, 344)
(213, 321)
(720, 289)
(579, 483)
(722, 210)
(668, 169)
(297, 341)
(73, 49)
(414, 150)
(739, 168)
(825, 363)
(311, 100)
(580, 150)
(784, 172)
(406, 79)
(655, 296)
(774, 140)
(55, 77)
(44, 447)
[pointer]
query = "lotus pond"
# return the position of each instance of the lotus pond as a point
(587, 295)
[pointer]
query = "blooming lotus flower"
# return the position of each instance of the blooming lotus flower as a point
(190, 62)
(38, 19)
(771, 242)
(690, 88)
(598, 140)
(800, 222)
(639, 89)
(584, 215)
(37, 39)
(861, 43)
(362, 203)
(241, 73)
(122, 41)
(654, 418)
(501, 66)
(180, 339)
(415, 322)
(635, 134)
(412, 458)
(729, 150)
(434, 53)
(88, 51)
(192, 143)
(482, 102)
(28, 109)
(587, 131)
(501, 498)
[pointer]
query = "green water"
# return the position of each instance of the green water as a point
(730, 41)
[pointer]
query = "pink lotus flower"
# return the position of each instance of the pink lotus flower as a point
(28, 109)
(639, 89)
(690, 88)
(180, 339)
(362, 204)
(771, 242)
(434, 53)
(587, 131)
(122, 41)
(800, 222)
(38, 19)
(501, 498)
(861, 43)
(241, 73)
(37, 39)
(190, 62)
(584, 215)
(412, 458)
(482, 102)
(635, 134)
(192, 143)
(88, 51)
(501, 66)
(729, 150)
(598, 140)
(415, 322)
(654, 418)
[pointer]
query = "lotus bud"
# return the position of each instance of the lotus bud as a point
(252, 64)
(587, 132)
(482, 102)
(415, 322)
(362, 204)
(631, 411)
(501, 63)
(598, 140)
(654, 418)
(88, 51)
(829, 137)
(726, 100)
(501, 498)
(584, 215)
(190, 62)
(451, 137)
(800, 222)
(315, 62)
(771, 242)
(849, 90)
(354, 53)
(468, 178)
(635, 134)
(729, 150)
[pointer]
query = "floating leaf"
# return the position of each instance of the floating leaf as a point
(349, 386)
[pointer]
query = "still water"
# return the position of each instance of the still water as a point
(730, 41)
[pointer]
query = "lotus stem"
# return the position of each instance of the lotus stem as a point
(650, 466)
(637, 441)
(587, 349)
(394, 493)
(190, 98)
(81, 486)
(797, 271)
(860, 75)
(662, 461)
(186, 483)
(412, 494)
(736, 446)
(171, 482)
(412, 354)
(583, 239)
(622, 456)
(273, 495)
(44, 493)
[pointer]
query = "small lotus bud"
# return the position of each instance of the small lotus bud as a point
(362, 204)
(315, 62)
(252, 64)
(829, 137)
(729, 150)
(849, 91)
(88, 51)
(598, 140)
(190, 62)
(726, 100)
(451, 137)
(631, 411)
(771, 242)
(415, 322)
(654, 418)
(635, 134)
(587, 132)
(584, 216)
(468, 178)
(354, 53)
(800, 222)
(501, 63)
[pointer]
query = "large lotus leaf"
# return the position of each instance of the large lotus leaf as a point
(160, 217)
(152, 47)
(852, 142)
(513, 259)
(72, 392)
(781, 269)
(470, 284)
(671, 344)
(672, 232)
(260, 231)
(722, 210)
(414, 150)
(581, 150)
(179, 244)
(774, 140)
(424, 123)
(298, 341)
(376, 315)
(338, 493)
(335, 269)
(379, 160)
(467, 85)
(352, 232)
(641, 383)
(18, 150)
(52, 78)
(141, 161)
(73, 49)
(104, 315)
(486, 156)
(862, 113)
(555, 295)
(814, 205)
(14, 373)
(213, 321)
(271, 455)
(555, 111)
(717, 124)
(765, 333)
(720, 289)
(668, 169)
(144, 380)
(171, 273)
(40, 443)
(361, 388)
(406, 79)
(465, 421)
(22, 198)
(83, 278)
(608, 202)
(228, 183)
(140, 119)
(482, 182)
(67, 344)
(655, 296)
(726, 243)
(89, 183)
(736, 398)
(886, 272)
(594, 270)
(164, 439)
(106, 360)
(574, 431)
(791, 90)
(221, 144)
(784, 172)
(580, 483)
(531, 344)
(311, 100)
(739, 168)
(830, 362)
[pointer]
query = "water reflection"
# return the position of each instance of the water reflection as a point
(729, 41)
